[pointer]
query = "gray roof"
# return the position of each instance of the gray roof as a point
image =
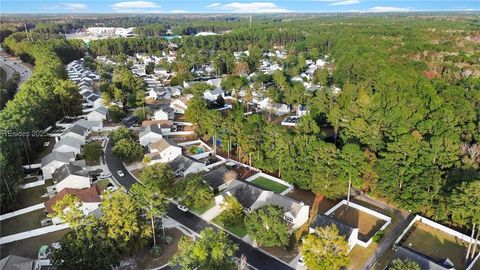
(77, 129)
(12, 262)
(182, 163)
(246, 194)
(155, 128)
(216, 91)
(66, 170)
(425, 262)
(286, 203)
(101, 110)
(68, 141)
(58, 156)
(88, 124)
(323, 221)
(214, 178)
(93, 97)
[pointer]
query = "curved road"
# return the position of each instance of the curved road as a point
(12, 66)
(114, 165)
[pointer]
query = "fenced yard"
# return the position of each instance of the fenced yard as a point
(367, 224)
(436, 244)
(21, 223)
(269, 184)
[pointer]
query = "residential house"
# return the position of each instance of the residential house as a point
(55, 160)
(218, 179)
(164, 113)
(91, 125)
(163, 151)
(99, 114)
(76, 132)
(150, 134)
(89, 201)
(425, 262)
(252, 197)
(215, 83)
(350, 233)
(179, 105)
(70, 176)
(302, 110)
(273, 107)
(13, 262)
(67, 145)
(183, 166)
(212, 95)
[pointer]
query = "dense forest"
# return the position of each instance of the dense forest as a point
(405, 127)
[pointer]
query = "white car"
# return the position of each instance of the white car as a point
(105, 175)
(182, 208)
(120, 173)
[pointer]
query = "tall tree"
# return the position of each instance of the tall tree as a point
(267, 226)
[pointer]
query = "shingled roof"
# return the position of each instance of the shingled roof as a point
(86, 195)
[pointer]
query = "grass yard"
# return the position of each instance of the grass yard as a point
(22, 223)
(29, 247)
(359, 255)
(202, 210)
(269, 184)
(436, 244)
(102, 184)
(367, 224)
(238, 228)
(29, 197)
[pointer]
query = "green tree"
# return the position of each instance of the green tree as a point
(122, 133)
(142, 113)
(68, 211)
(232, 211)
(267, 226)
(211, 251)
(92, 151)
(160, 174)
(351, 164)
(87, 248)
(128, 150)
(149, 67)
(407, 264)
(193, 191)
(325, 249)
(116, 113)
(152, 200)
(465, 203)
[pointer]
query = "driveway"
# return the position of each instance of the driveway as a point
(114, 165)
(255, 257)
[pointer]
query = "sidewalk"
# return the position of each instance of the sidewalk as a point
(32, 233)
(22, 211)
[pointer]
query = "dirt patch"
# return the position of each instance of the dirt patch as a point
(367, 224)
(29, 247)
(145, 261)
(282, 253)
(302, 195)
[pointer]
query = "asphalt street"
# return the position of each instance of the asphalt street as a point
(11, 67)
(114, 165)
(255, 257)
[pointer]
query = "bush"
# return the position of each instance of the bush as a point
(92, 151)
(378, 236)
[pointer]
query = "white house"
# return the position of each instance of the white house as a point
(212, 95)
(163, 151)
(76, 132)
(350, 233)
(216, 83)
(99, 114)
(252, 197)
(88, 197)
(70, 176)
(302, 110)
(179, 105)
(164, 113)
(55, 160)
(150, 134)
(68, 144)
(273, 107)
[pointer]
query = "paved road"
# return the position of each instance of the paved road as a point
(114, 165)
(255, 257)
(11, 67)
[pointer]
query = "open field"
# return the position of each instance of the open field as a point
(29, 247)
(435, 244)
(269, 184)
(22, 223)
(367, 224)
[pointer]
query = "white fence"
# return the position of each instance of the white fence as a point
(274, 179)
(22, 211)
(33, 184)
(364, 209)
(32, 233)
(178, 133)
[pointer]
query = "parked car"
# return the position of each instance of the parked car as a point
(104, 175)
(46, 222)
(44, 252)
(182, 208)
(120, 173)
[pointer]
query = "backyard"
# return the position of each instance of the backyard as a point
(22, 223)
(29, 197)
(268, 184)
(29, 247)
(238, 228)
(435, 244)
(367, 224)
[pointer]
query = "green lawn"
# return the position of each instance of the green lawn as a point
(29, 197)
(238, 228)
(22, 223)
(202, 210)
(269, 184)
(102, 184)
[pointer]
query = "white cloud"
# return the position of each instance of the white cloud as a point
(177, 11)
(344, 2)
(213, 5)
(136, 7)
(389, 9)
(252, 7)
(68, 7)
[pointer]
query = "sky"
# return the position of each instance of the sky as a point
(232, 6)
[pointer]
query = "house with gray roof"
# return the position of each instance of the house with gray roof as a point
(183, 166)
(150, 134)
(68, 144)
(425, 262)
(70, 176)
(77, 132)
(55, 160)
(217, 179)
(253, 197)
(99, 114)
(212, 95)
(163, 151)
(350, 233)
